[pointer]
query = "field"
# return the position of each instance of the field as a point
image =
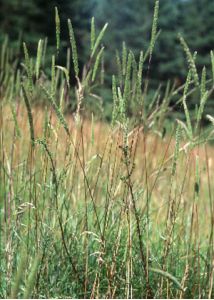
(91, 209)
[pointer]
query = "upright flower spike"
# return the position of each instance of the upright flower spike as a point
(39, 58)
(154, 27)
(74, 48)
(28, 68)
(190, 59)
(93, 33)
(57, 21)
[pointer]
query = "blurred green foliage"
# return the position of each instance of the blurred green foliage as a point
(129, 21)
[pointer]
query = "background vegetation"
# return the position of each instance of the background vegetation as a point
(129, 21)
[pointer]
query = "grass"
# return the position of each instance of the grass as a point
(96, 210)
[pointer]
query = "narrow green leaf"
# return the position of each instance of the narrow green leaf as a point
(30, 116)
(168, 276)
(66, 72)
(98, 40)
(186, 111)
(97, 62)
(29, 285)
(201, 108)
(38, 58)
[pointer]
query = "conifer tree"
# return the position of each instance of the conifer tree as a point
(197, 25)
(131, 22)
(168, 58)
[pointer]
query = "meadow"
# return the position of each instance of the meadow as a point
(91, 209)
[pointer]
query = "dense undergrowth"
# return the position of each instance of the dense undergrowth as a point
(96, 210)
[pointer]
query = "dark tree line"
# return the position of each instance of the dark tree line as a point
(129, 21)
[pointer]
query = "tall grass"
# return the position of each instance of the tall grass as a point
(96, 210)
